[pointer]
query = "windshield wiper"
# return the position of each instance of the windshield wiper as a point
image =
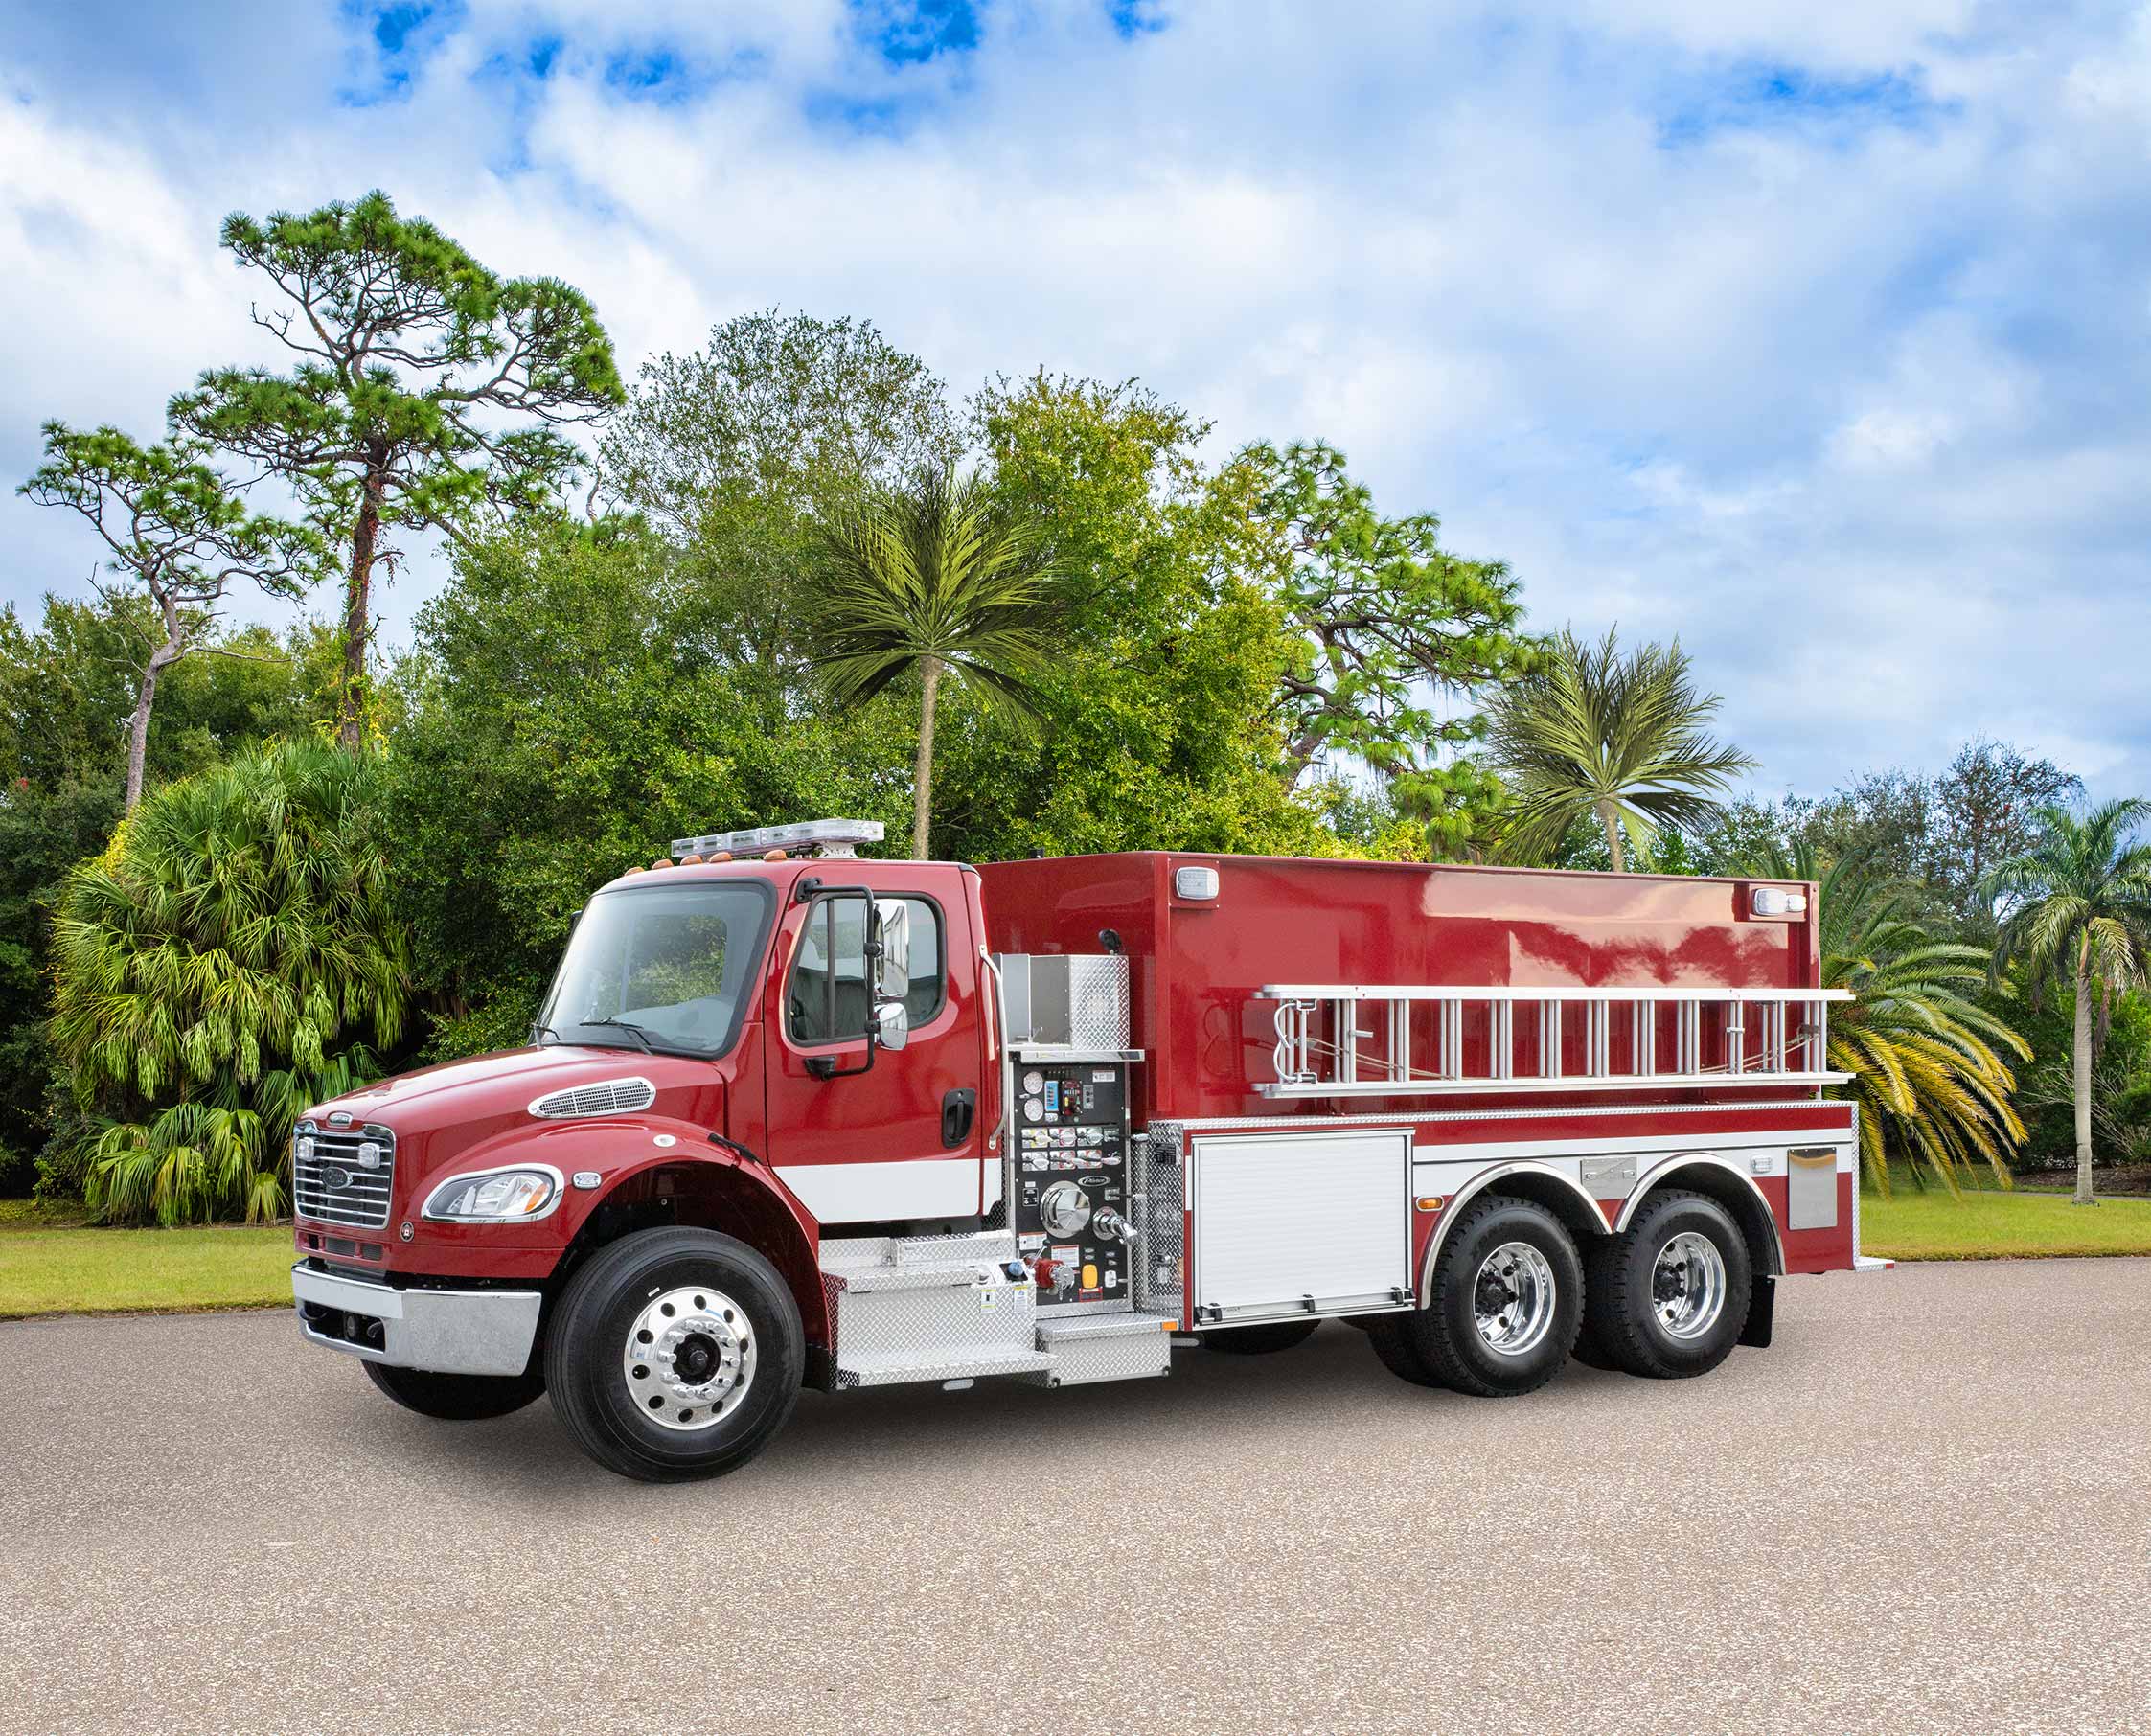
(641, 1036)
(545, 1031)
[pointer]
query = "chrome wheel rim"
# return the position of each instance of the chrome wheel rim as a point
(1688, 1286)
(688, 1358)
(1513, 1299)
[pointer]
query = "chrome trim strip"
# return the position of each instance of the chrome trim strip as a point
(1509, 992)
(1565, 1108)
(1477, 1185)
(552, 1205)
(482, 1331)
(1650, 1178)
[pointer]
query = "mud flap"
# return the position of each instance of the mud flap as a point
(1762, 1303)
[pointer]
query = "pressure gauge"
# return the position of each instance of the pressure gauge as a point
(1034, 1081)
(1033, 1108)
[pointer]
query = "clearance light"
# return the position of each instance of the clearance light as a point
(495, 1195)
(1776, 901)
(1195, 883)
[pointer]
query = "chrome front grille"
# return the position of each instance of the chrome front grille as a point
(606, 1097)
(333, 1180)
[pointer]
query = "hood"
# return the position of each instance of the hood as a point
(487, 1086)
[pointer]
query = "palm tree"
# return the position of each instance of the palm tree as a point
(1922, 1054)
(214, 970)
(2078, 908)
(1593, 732)
(933, 579)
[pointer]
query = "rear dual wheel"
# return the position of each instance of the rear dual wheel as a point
(1668, 1296)
(1507, 1304)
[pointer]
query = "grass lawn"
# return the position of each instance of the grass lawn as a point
(49, 1270)
(1989, 1224)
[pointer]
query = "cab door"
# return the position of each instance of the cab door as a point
(864, 1133)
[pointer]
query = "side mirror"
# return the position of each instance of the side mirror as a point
(892, 951)
(892, 1024)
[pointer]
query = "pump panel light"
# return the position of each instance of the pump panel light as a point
(1195, 883)
(1776, 901)
(509, 1196)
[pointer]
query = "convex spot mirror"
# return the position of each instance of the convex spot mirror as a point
(892, 1025)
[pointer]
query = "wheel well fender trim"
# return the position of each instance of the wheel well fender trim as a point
(799, 1264)
(1669, 1169)
(1572, 1204)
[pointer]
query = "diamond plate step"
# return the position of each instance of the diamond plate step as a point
(1089, 1328)
(891, 1368)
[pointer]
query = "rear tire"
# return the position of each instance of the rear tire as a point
(1258, 1341)
(676, 1353)
(455, 1398)
(1669, 1296)
(1507, 1304)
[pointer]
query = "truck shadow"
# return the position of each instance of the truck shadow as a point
(1207, 1403)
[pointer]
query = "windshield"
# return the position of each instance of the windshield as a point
(670, 961)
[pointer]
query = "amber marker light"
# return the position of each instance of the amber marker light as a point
(1431, 1203)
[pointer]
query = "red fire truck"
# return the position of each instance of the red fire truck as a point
(790, 1117)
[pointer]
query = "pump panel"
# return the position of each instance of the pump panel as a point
(1071, 1206)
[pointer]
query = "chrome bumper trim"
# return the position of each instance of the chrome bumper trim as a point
(477, 1332)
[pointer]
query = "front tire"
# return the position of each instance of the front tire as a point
(1507, 1302)
(1258, 1341)
(455, 1398)
(676, 1353)
(1669, 1296)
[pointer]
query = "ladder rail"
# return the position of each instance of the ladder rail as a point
(1753, 1033)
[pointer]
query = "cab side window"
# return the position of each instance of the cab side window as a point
(828, 998)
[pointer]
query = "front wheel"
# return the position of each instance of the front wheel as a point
(455, 1398)
(676, 1353)
(1506, 1305)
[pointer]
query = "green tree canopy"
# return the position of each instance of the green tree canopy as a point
(1396, 631)
(230, 958)
(571, 713)
(426, 388)
(1159, 705)
(1624, 739)
(737, 450)
(171, 526)
(933, 580)
(2078, 910)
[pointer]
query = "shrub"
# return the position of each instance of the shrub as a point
(215, 971)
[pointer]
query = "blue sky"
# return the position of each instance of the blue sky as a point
(1819, 335)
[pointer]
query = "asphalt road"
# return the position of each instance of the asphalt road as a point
(1927, 1508)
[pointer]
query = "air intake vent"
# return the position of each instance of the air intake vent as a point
(607, 1097)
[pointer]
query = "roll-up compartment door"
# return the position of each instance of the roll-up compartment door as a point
(1292, 1222)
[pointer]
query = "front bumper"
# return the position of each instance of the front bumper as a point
(472, 1331)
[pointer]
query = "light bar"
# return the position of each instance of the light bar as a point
(831, 837)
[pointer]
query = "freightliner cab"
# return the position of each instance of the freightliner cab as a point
(790, 1117)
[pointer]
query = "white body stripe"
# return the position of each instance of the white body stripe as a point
(876, 1192)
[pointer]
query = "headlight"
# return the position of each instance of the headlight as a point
(496, 1195)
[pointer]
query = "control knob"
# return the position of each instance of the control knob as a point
(1110, 1223)
(1064, 1209)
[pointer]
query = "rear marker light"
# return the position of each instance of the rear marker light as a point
(1195, 883)
(1776, 901)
